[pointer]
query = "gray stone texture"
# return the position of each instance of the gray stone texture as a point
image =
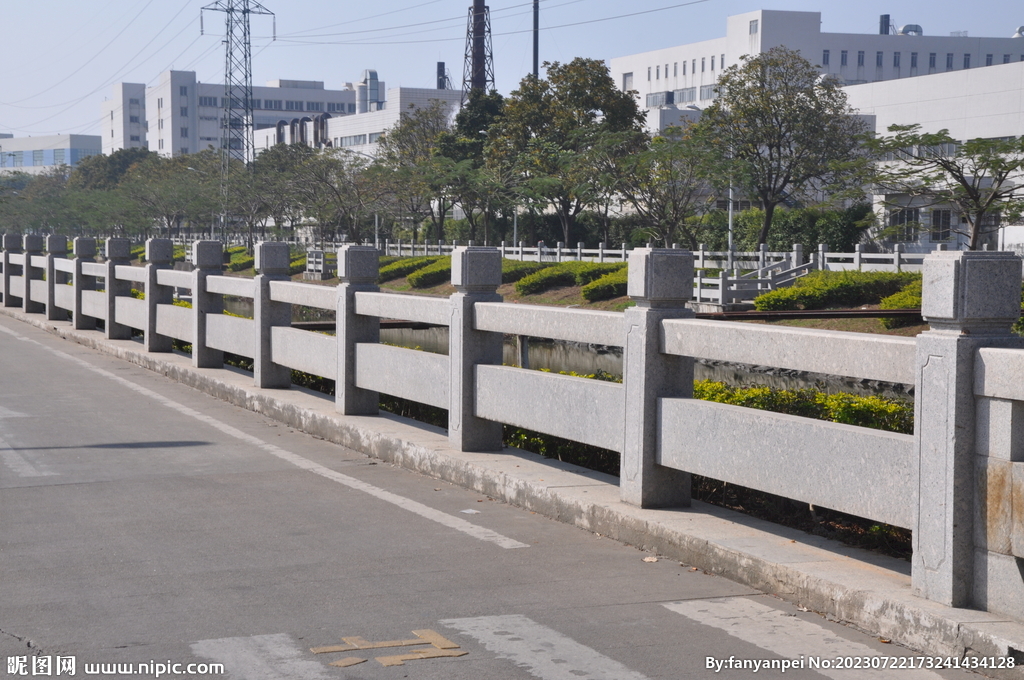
(32, 243)
(402, 372)
(476, 274)
(476, 269)
(118, 250)
(660, 277)
(1000, 428)
(84, 247)
(538, 321)
(357, 273)
(273, 258)
(649, 375)
(33, 246)
(207, 255)
(12, 242)
(159, 251)
(970, 299)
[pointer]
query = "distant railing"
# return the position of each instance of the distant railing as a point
(958, 482)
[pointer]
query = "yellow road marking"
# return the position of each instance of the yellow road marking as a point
(400, 659)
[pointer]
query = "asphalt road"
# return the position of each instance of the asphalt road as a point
(142, 522)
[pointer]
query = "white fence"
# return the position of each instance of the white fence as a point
(958, 482)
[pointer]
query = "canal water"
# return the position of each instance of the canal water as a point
(587, 359)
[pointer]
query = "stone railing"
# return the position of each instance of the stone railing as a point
(958, 482)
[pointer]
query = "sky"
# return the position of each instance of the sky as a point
(62, 57)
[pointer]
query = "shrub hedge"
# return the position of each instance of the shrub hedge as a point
(609, 286)
(565, 274)
(438, 272)
(821, 290)
(513, 270)
(891, 415)
(907, 298)
(403, 267)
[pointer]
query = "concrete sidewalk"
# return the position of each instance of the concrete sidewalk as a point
(869, 591)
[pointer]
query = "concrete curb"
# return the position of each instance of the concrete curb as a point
(869, 591)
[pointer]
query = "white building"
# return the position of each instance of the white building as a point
(675, 78)
(36, 155)
(179, 115)
(358, 133)
(985, 103)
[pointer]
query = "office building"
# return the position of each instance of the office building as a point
(39, 154)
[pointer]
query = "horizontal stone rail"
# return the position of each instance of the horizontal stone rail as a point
(851, 355)
(957, 482)
(571, 325)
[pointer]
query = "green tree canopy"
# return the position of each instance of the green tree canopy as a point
(789, 130)
(549, 128)
(977, 178)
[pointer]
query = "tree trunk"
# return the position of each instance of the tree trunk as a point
(766, 224)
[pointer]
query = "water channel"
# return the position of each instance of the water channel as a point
(587, 359)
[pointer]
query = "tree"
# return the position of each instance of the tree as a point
(550, 126)
(106, 172)
(666, 183)
(789, 131)
(410, 151)
(978, 178)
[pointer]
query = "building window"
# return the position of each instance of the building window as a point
(753, 26)
(913, 60)
(824, 58)
(842, 58)
(133, 101)
(133, 119)
(184, 133)
(135, 138)
(895, 59)
(374, 136)
(273, 104)
(184, 111)
(675, 69)
(659, 99)
(37, 157)
(160, 124)
(703, 63)
(1006, 58)
(208, 101)
(183, 91)
(160, 103)
(941, 225)
(352, 108)
(878, 59)
(648, 74)
(686, 95)
(684, 68)
(712, 62)
(666, 70)
(931, 60)
(904, 224)
(949, 61)
(292, 106)
(860, 57)
(657, 72)
(967, 60)
(58, 156)
(314, 106)
(160, 144)
(988, 60)
(721, 62)
(707, 91)
(354, 140)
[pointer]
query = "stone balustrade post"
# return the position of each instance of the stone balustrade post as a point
(762, 256)
(600, 251)
(897, 256)
(822, 256)
(970, 300)
(579, 251)
(32, 246)
(84, 250)
(476, 275)
(798, 255)
(207, 258)
(661, 282)
(159, 254)
(858, 256)
(358, 267)
(56, 249)
(118, 253)
(12, 246)
(273, 259)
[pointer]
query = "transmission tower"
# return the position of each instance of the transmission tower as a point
(236, 120)
(478, 73)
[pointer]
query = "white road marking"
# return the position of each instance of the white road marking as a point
(17, 463)
(412, 506)
(262, 657)
(8, 413)
(545, 653)
(789, 637)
